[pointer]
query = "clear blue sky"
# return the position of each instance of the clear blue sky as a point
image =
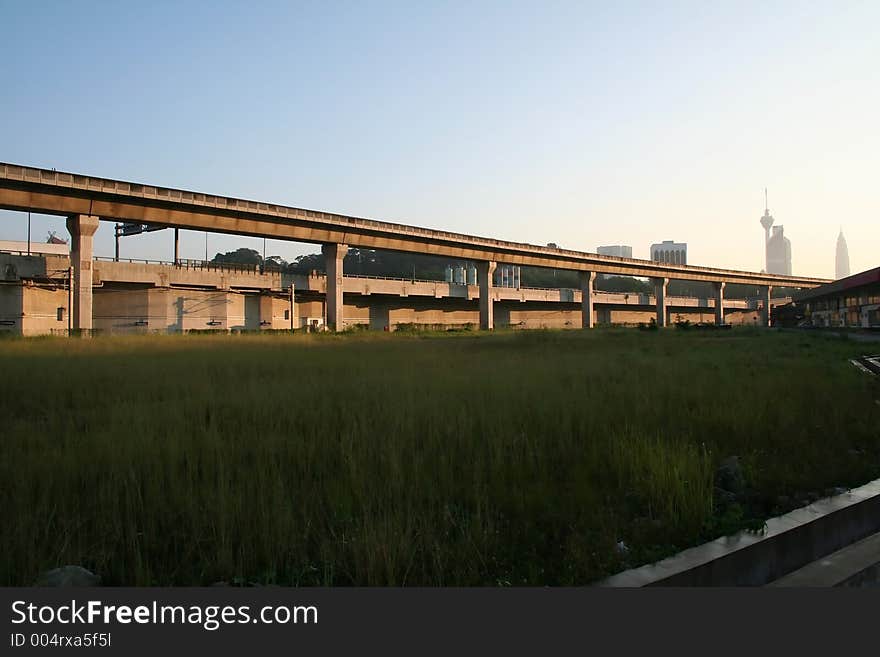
(568, 122)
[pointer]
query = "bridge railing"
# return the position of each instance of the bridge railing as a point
(186, 263)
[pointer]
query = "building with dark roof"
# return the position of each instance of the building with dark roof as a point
(851, 301)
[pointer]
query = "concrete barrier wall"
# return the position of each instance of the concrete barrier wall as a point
(41, 310)
(10, 308)
(789, 542)
(162, 275)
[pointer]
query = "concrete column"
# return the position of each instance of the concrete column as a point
(333, 256)
(719, 302)
(485, 271)
(765, 301)
(587, 278)
(82, 229)
(660, 285)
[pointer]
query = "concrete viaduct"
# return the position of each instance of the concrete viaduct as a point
(85, 200)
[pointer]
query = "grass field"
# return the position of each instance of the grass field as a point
(505, 459)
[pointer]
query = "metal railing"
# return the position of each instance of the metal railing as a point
(395, 278)
(186, 263)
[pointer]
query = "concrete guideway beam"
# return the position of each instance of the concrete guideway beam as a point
(64, 193)
(485, 271)
(333, 257)
(719, 302)
(587, 278)
(82, 228)
(660, 287)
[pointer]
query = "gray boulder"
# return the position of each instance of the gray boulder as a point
(729, 476)
(68, 576)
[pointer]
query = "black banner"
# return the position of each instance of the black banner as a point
(150, 621)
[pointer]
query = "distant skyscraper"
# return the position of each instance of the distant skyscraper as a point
(618, 250)
(766, 222)
(777, 247)
(675, 253)
(778, 253)
(841, 261)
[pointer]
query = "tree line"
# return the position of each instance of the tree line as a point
(392, 264)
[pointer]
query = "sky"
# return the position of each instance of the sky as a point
(578, 123)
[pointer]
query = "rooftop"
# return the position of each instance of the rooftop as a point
(869, 277)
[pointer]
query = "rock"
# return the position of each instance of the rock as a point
(729, 476)
(68, 576)
(724, 497)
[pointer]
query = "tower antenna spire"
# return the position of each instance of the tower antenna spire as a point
(765, 200)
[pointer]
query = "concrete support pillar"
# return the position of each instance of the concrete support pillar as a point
(765, 302)
(485, 271)
(587, 278)
(333, 256)
(719, 302)
(82, 229)
(660, 285)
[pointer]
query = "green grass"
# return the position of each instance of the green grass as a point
(378, 459)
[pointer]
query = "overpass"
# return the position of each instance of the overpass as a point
(138, 296)
(85, 200)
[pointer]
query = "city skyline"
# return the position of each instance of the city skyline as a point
(400, 114)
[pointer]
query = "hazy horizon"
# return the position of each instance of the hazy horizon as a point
(562, 122)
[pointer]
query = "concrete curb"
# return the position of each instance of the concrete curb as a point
(789, 542)
(855, 565)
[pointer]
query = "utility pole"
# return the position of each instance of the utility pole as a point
(70, 300)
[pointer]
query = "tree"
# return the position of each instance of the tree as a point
(239, 257)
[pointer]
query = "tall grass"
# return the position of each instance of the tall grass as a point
(507, 459)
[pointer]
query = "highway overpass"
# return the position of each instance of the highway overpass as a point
(85, 200)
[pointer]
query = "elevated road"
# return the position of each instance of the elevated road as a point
(87, 199)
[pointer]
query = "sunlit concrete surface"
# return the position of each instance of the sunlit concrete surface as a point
(787, 543)
(133, 296)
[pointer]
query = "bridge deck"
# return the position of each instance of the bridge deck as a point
(63, 193)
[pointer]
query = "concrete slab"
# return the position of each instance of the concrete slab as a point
(855, 565)
(789, 542)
